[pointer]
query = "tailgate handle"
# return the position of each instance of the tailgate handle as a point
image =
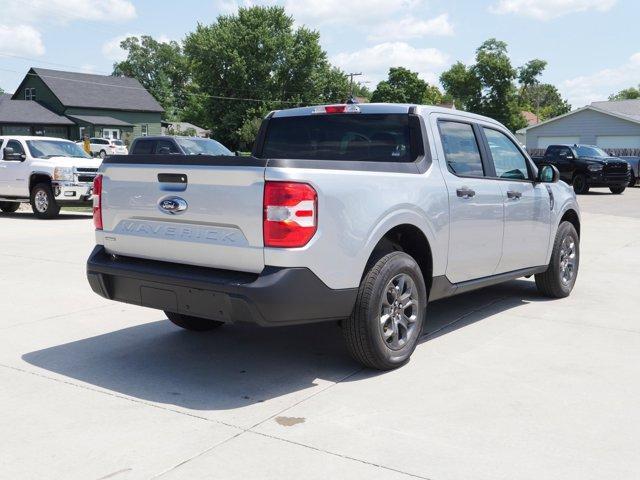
(172, 178)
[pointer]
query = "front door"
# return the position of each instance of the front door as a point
(13, 173)
(527, 209)
(475, 203)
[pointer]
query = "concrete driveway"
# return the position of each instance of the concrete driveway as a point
(505, 385)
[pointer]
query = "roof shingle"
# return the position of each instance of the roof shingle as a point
(28, 112)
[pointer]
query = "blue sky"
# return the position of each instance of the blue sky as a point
(592, 46)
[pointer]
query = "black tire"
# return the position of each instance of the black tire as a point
(48, 208)
(551, 282)
(102, 154)
(9, 207)
(632, 182)
(617, 190)
(580, 184)
(194, 324)
(364, 332)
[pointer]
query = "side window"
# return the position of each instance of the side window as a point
(461, 149)
(565, 152)
(143, 146)
(166, 146)
(509, 162)
(16, 145)
(552, 151)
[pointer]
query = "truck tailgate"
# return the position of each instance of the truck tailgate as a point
(198, 210)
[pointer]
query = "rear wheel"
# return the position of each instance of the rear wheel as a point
(195, 324)
(632, 182)
(560, 277)
(43, 203)
(617, 190)
(9, 207)
(386, 323)
(580, 184)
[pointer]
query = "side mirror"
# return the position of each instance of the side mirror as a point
(548, 174)
(9, 154)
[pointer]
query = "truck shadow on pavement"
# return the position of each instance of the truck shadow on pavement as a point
(240, 365)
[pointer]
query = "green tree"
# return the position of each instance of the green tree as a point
(630, 93)
(161, 68)
(487, 87)
(543, 99)
(404, 86)
(258, 56)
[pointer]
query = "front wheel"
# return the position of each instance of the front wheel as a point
(632, 182)
(560, 277)
(9, 207)
(103, 154)
(580, 184)
(386, 323)
(194, 324)
(43, 203)
(617, 190)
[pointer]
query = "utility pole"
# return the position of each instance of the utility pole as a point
(351, 75)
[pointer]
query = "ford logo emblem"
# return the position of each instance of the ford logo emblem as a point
(173, 205)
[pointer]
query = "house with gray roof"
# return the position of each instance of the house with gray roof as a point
(613, 125)
(71, 104)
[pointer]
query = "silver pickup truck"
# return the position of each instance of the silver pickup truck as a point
(355, 213)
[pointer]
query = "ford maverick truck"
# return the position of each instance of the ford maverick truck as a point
(360, 214)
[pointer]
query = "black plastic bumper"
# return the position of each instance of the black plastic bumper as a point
(276, 296)
(608, 180)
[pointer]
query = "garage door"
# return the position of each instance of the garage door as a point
(544, 142)
(618, 141)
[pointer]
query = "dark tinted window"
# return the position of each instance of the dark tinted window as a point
(461, 149)
(552, 151)
(508, 161)
(167, 146)
(350, 137)
(588, 151)
(16, 145)
(202, 146)
(143, 146)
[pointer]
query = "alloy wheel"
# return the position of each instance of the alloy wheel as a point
(399, 309)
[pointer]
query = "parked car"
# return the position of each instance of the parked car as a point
(46, 172)
(634, 164)
(586, 166)
(357, 213)
(101, 147)
(174, 145)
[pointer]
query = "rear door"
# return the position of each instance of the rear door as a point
(201, 210)
(527, 211)
(475, 202)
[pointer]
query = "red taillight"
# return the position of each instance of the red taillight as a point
(97, 202)
(335, 108)
(290, 214)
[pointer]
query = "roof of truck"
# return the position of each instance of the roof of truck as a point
(373, 108)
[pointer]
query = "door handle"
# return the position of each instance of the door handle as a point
(465, 192)
(513, 195)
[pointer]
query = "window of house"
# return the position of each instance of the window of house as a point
(29, 93)
(461, 149)
(144, 129)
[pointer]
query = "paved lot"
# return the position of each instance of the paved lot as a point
(505, 385)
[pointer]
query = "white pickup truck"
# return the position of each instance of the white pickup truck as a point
(357, 213)
(46, 172)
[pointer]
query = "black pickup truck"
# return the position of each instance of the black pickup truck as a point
(586, 166)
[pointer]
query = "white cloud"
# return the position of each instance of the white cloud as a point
(549, 9)
(20, 40)
(65, 11)
(112, 51)
(585, 89)
(375, 61)
(412, 27)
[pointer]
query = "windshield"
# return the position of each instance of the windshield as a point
(586, 151)
(202, 146)
(55, 148)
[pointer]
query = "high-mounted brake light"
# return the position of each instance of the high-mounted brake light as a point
(350, 108)
(290, 214)
(97, 202)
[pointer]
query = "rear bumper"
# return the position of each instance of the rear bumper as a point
(277, 296)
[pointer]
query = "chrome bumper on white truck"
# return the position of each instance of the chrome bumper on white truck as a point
(72, 191)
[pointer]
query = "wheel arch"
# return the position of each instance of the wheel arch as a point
(571, 216)
(408, 238)
(38, 177)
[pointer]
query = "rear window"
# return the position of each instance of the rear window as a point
(349, 137)
(143, 146)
